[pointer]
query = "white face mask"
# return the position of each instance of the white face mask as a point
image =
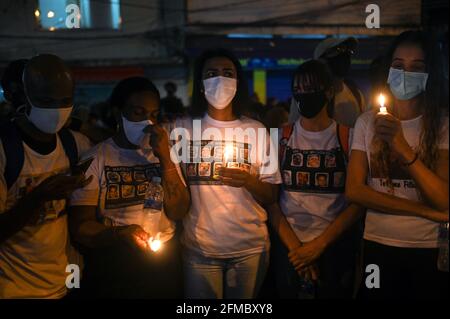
(406, 85)
(134, 131)
(49, 120)
(220, 91)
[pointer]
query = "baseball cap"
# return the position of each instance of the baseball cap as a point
(330, 43)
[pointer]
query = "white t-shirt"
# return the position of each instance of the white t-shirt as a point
(33, 261)
(313, 170)
(346, 107)
(391, 230)
(121, 178)
(226, 221)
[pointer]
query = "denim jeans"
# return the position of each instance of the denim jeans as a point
(218, 278)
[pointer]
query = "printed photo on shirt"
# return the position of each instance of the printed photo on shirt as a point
(142, 188)
(245, 167)
(127, 191)
(339, 179)
(206, 153)
(204, 169)
(287, 177)
(302, 179)
(233, 165)
(217, 167)
(313, 161)
(126, 177)
(113, 177)
(297, 159)
(330, 160)
(322, 180)
(151, 172)
(191, 169)
(113, 192)
(139, 176)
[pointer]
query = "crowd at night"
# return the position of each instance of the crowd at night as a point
(331, 183)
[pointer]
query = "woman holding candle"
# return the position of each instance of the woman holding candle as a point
(112, 217)
(399, 170)
(315, 223)
(225, 236)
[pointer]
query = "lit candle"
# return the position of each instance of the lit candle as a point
(381, 101)
(155, 243)
(227, 154)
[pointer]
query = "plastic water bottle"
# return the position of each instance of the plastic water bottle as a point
(443, 247)
(153, 205)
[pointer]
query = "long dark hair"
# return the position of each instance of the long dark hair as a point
(199, 104)
(434, 104)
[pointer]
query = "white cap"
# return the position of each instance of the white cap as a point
(329, 43)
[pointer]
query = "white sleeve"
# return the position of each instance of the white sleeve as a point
(358, 135)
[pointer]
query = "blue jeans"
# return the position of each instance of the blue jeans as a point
(218, 278)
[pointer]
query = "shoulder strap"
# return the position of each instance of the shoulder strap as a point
(286, 132)
(69, 145)
(14, 152)
(343, 134)
(355, 92)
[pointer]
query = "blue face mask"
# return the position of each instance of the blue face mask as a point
(406, 85)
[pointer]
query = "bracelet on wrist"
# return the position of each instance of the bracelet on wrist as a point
(416, 156)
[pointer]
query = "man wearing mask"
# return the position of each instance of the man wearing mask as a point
(35, 159)
(349, 101)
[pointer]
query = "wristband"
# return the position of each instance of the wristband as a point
(413, 160)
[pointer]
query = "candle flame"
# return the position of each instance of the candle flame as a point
(228, 153)
(381, 100)
(154, 243)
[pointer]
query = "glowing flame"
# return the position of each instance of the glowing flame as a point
(50, 14)
(228, 153)
(381, 101)
(154, 243)
(37, 13)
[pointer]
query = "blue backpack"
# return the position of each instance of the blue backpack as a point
(14, 152)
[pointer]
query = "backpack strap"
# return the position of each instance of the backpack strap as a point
(14, 152)
(355, 92)
(286, 132)
(343, 134)
(70, 146)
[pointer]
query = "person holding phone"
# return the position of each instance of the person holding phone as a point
(36, 153)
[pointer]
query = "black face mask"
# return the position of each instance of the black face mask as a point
(310, 104)
(340, 64)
